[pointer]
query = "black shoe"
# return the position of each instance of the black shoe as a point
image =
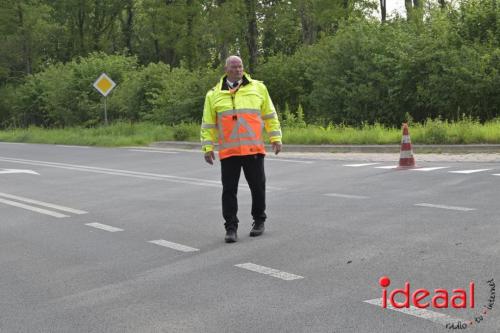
(257, 229)
(231, 236)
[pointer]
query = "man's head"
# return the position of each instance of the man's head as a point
(234, 68)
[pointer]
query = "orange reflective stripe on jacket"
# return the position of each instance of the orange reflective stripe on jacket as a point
(240, 132)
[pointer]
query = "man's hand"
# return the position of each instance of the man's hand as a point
(276, 147)
(210, 157)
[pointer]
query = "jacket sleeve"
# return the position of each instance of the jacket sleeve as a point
(270, 117)
(209, 132)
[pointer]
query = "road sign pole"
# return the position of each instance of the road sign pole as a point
(105, 111)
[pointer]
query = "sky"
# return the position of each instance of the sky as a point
(394, 5)
(397, 5)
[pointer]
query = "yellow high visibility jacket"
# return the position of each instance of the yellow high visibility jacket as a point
(236, 118)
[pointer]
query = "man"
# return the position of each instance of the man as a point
(236, 111)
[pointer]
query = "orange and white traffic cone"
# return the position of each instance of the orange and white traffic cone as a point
(406, 160)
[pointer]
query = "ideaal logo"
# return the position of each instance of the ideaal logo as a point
(461, 298)
(439, 300)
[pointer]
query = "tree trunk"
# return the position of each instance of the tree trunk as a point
(25, 41)
(189, 22)
(96, 25)
(224, 45)
(409, 8)
(128, 26)
(81, 28)
(345, 4)
(252, 35)
(383, 10)
(307, 22)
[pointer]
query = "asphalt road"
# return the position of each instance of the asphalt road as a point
(132, 240)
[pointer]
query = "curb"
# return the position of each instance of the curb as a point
(421, 149)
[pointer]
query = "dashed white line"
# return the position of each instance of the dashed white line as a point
(10, 171)
(433, 316)
(288, 160)
(428, 169)
(32, 208)
(269, 271)
(103, 227)
(387, 167)
(359, 165)
(463, 209)
(469, 171)
(175, 246)
(347, 196)
(44, 204)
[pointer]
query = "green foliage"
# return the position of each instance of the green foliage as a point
(63, 95)
(464, 131)
(324, 61)
(182, 95)
(290, 119)
(368, 72)
(136, 96)
(186, 131)
(117, 134)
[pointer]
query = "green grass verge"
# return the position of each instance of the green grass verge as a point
(117, 134)
(126, 134)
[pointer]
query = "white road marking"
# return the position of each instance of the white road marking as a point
(103, 227)
(469, 171)
(269, 271)
(126, 173)
(287, 160)
(463, 209)
(153, 151)
(13, 143)
(145, 175)
(387, 167)
(436, 317)
(178, 150)
(347, 196)
(5, 171)
(34, 209)
(359, 165)
(175, 246)
(428, 169)
(45, 204)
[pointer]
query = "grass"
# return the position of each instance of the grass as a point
(117, 134)
(465, 131)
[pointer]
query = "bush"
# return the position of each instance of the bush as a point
(134, 99)
(182, 95)
(63, 95)
(186, 131)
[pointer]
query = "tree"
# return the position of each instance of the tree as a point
(253, 34)
(383, 10)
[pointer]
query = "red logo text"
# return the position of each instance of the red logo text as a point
(423, 298)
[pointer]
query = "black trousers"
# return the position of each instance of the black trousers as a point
(253, 168)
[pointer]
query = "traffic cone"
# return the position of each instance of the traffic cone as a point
(406, 160)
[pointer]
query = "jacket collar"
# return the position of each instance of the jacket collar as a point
(223, 83)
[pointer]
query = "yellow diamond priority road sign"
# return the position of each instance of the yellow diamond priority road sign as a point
(104, 84)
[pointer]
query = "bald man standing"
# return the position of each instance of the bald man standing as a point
(236, 111)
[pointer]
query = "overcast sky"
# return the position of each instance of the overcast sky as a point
(398, 5)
